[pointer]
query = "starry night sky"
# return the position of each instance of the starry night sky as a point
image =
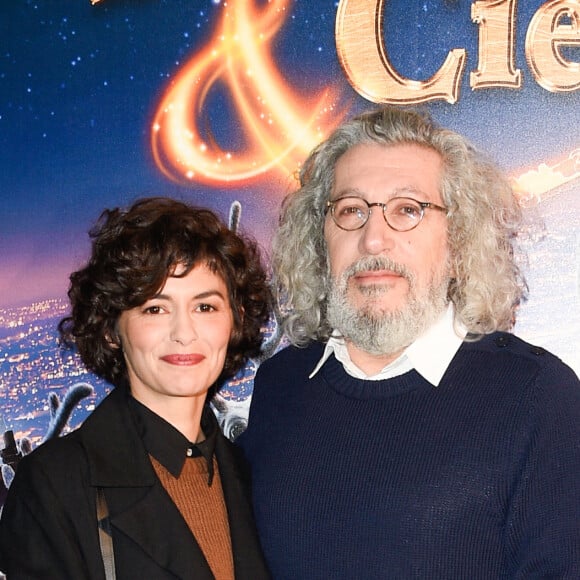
(79, 85)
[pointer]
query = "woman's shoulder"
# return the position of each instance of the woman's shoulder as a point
(58, 463)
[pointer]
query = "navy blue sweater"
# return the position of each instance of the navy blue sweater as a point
(476, 478)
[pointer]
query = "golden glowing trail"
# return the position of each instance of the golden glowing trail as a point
(279, 127)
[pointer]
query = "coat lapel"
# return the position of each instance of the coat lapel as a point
(150, 521)
(139, 506)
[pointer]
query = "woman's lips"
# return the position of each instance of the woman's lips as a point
(183, 359)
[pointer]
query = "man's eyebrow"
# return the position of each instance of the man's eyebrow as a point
(403, 191)
(349, 192)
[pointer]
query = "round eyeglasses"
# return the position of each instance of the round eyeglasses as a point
(401, 213)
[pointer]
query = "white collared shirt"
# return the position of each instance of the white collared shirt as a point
(429, 355)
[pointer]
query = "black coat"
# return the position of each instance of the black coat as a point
(48, 527)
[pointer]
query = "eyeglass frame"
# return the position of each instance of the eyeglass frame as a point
(330, 204)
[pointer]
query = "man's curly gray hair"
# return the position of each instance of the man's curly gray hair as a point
(483, 221)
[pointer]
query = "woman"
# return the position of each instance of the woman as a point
(170, 303)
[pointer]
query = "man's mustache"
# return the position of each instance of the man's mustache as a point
(376, 263)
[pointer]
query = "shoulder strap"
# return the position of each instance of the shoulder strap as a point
(105, 536)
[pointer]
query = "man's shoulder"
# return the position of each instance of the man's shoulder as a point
(296, 356)
(509, 343)
(509, 348)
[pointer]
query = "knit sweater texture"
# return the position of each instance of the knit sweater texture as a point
(204, 510)
(478, 478)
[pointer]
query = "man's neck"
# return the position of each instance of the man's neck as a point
(370, 364)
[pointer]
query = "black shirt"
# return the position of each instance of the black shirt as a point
(168, 445)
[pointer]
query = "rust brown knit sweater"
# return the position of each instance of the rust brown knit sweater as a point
(204, 509)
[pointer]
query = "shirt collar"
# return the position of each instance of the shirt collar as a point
(167, 445)
(429, 355)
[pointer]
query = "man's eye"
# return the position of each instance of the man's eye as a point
(351, 210)
(408, 210)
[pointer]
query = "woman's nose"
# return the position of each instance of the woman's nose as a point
(183, 329)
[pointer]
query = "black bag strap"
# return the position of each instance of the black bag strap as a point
(105, 535)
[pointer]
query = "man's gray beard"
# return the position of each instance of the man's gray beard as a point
(380, 332)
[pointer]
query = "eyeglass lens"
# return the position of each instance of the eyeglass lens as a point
(401, 213)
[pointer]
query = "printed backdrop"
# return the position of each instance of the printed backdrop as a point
(217, 103)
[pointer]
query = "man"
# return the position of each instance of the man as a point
(405, 433)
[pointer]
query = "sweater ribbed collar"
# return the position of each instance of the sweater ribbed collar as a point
(340, 381)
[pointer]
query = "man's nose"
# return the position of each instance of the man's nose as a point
(376, 235)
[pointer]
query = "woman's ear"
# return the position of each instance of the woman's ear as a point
(113, 340)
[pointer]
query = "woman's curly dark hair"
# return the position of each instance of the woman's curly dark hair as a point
(134, 251)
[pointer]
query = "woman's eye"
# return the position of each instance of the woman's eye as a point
(152, 310)
(206, 308)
